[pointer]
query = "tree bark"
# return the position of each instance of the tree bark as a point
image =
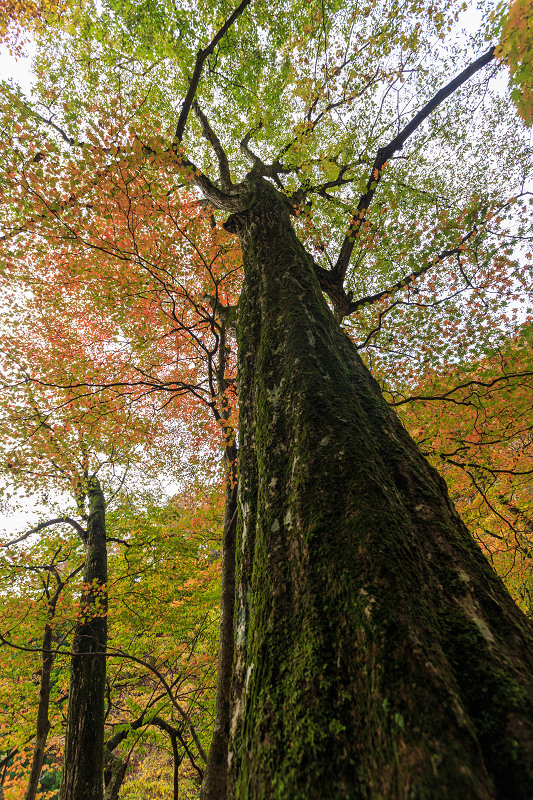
(82, 777)
(377, 653)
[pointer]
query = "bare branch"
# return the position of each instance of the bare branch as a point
(72, 522)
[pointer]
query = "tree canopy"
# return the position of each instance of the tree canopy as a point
(390, 134)
(419, 245)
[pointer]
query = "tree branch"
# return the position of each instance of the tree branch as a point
(185, 716)
(15, 751)
(191, 757)
(254, 160)
(119, 736)
(233, 203)
(118, 653)
(467, 385)
(385, 153)
(214, 141)
(371, 299)
(64, 135)
(270, 170)
(197, 73)
(72, 522)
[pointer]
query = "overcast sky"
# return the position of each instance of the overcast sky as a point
(17, 69)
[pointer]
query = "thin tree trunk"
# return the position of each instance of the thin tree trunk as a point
(115, 773)
(378, 656)
(175, 767)
(173, 734)
(82, 777)
(214, 784)
(42, 727)
(215, 781)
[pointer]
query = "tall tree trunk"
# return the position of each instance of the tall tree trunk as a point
(214, 785)
(82, 777)
(377, 654)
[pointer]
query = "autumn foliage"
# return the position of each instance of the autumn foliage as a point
(516, 49)
(120, 285)
(475, 426)
(19, 18)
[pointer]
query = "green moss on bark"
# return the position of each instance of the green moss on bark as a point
(377, 654)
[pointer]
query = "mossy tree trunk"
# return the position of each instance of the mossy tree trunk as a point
(82, 777)
(377, 654)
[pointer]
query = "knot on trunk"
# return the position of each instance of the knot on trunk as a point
(235, 223)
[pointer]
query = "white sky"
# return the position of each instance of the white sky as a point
(17, 69)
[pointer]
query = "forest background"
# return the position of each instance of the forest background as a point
(119, 356)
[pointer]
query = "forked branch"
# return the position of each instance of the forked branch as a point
(405, 281)
(254, 160)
